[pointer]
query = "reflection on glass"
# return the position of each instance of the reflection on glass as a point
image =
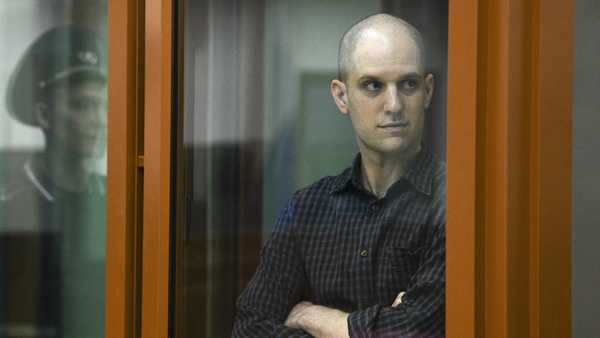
(52, 189)
(259, 124)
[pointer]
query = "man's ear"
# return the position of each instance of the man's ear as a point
(340, 95)
(40, 111)
(429, 85)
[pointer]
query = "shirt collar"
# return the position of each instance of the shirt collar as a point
(44, 187)
(420, 175)
(49, 190)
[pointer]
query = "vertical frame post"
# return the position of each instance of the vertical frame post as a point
(509, 172)
(157, 167)
(462, 236)
(124, 172)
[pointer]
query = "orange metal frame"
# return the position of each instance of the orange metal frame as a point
(508, 230)
(462, 148)
(124, 181)
(157, 168)
(509, 149)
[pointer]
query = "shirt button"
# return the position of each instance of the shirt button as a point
(364, 253)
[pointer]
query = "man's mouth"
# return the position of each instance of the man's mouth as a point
(393, 125)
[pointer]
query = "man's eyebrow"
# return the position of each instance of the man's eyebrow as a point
(378, 77)
(367, 77)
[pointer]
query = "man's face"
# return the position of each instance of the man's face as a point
(386, 93)
(77, 118)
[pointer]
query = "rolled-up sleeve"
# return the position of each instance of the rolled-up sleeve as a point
(275, 288)
(421, 314)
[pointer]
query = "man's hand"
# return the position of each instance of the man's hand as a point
(398, 299)
(319, 321)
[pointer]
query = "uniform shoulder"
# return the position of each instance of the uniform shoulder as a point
(98, 184)
(15, 186)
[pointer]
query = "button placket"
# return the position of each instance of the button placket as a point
(374, 206)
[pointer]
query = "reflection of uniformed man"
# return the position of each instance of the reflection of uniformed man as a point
(52, 211)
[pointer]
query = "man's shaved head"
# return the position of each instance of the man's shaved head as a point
(377, 23)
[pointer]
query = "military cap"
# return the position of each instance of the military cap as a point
(57, 54)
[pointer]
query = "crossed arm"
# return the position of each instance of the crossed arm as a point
(321, 321)
(274, 303)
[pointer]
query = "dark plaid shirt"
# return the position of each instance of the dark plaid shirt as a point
(337, 245)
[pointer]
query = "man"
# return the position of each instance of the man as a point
(52, 211)
(362, 254)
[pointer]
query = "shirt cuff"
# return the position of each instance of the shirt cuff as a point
(288, 332)
(361, 322)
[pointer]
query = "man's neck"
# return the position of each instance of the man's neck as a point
(380, 171)
(64, 170)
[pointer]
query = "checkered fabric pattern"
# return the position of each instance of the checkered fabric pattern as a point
(337, 245)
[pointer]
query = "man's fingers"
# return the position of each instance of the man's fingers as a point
(398, 299)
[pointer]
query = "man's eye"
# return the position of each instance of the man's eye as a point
(373, 86)
(86, 105)
(409, 84)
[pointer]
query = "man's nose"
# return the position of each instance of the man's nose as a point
(393, 101)
(95, 118)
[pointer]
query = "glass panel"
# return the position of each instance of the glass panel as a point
(586, 166)
(52, 168)
(259, 123)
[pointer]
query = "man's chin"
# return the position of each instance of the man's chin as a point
(398, 150)
(394, 147)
